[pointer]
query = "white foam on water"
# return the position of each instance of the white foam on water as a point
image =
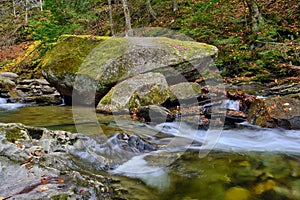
(246, 139)
(231, 104)
(138, 167)
(9, 106)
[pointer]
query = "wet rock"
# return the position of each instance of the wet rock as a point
(133, 143)
(37, 163)
(275, 112)
(36, 91)
(186, 92)
(287, 90)
(141, 90)
(91, 66)
(153, 113)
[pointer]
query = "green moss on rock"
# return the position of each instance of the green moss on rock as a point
(185, 90)
(69, 52)
(76, 61)
(141, 90)
(14, 133)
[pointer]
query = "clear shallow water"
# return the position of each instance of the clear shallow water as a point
(245, 163)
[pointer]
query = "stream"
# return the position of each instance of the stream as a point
(247, 162)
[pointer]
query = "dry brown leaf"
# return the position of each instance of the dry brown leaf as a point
(43, 188)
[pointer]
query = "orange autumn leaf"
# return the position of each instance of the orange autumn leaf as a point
(27, 161)
(60, 180)
(37, 152)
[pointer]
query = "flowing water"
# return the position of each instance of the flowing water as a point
(246, 162)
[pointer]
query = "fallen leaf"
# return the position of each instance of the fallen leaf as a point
(81, 191)
(60, 180)
(37, 152)
(19, 144)
(45, 180)
(26, 161)
(43, 188)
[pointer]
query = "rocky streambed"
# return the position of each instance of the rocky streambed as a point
(176, 98)
(37, 163)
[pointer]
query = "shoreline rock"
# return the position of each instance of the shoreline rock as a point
(52, 164)
(28, 91)
(274, 112)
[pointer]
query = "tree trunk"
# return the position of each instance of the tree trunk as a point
(111, 22)
(150, 10)
(175, 5)
(41, 5)
(128, 29)
(256, 19)
(14, 8)
(26, 12)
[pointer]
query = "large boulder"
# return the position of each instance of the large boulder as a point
(275, 112)
(141, 90)
(61, 64)
(91, 66)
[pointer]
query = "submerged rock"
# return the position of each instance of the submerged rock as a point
(237, 193)
(91, 66)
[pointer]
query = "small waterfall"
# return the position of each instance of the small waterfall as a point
(3, 101)
(62, 102)
(231, 105)
(9, 106)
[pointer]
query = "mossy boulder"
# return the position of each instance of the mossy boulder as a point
(61, 64)
(89, 67)
(275, 112)
(141, 90)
